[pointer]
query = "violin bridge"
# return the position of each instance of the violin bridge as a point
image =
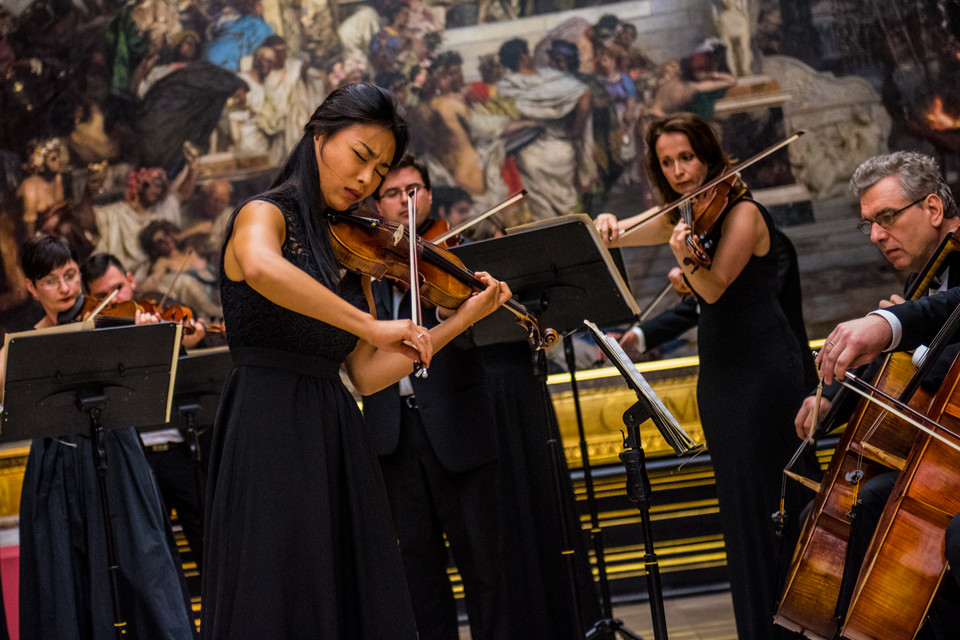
(398, 235)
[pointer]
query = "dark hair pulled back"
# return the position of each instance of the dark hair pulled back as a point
(298, 182)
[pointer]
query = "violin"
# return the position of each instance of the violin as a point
(702, 213)
(86, 307)
(438, 233)
(169, 313)
(733, 172)
(378, 248)
(119, 313)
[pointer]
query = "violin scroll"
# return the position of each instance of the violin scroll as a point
(541, 340)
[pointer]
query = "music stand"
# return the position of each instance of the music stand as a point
(561, 271)
(70, 380)
(648, 406)
(196, 395)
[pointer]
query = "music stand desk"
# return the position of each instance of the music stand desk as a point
(559, 269)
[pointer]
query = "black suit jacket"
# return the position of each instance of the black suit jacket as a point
(453, 401)
(920, 320)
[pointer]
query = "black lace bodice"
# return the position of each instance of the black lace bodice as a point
(254, 321)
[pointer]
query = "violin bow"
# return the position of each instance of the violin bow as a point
(416, 311)
(107, 299)
(653, 212)
(176, 276)
(896, 407)
(460, 228)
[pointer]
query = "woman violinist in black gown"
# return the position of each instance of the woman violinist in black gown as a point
(299, 541)
(751, 373)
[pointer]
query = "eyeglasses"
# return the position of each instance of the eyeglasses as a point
(395, 192)
(51, 282)
(885, 218)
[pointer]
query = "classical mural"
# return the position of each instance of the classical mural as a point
(134, 127)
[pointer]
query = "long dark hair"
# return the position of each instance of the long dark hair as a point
(298, 182)
(703, 140)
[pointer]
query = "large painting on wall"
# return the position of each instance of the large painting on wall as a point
(135, 127)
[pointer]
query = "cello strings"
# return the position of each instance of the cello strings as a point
(892, 409)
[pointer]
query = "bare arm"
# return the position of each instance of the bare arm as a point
(384, 354)
(461, 156)
(186, 181)
(581, 116)
(656, 230)
(744, 235)
(372, 369)
(28, 199)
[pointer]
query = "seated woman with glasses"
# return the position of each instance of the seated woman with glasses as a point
(64, 584)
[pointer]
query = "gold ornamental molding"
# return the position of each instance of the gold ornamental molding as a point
(604, 397)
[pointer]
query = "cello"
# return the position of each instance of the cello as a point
(904, 564)
(873, 442)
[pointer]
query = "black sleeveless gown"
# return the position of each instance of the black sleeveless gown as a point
(299, 541)
(750, 387)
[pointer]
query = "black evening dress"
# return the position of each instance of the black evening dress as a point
(537, 501)
(299, 541)
(64, 580)
(750, 387)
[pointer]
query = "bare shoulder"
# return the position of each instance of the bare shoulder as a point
(260, 214)
(746, 220)
(745, 210)
(448, 106)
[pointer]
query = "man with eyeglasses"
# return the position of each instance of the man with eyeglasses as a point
(908, 210)
(437, 444)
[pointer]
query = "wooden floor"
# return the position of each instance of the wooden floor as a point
(708, 617)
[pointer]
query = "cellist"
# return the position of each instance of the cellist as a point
(908, 210)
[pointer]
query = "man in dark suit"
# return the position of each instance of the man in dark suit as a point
(908, 210)
(437, 444)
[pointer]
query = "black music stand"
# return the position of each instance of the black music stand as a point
(64, 381)
(196, 395)
(561, 271)
(648, 406)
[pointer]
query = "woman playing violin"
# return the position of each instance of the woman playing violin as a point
(299, 538)
(751, 377)
(61, 536)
